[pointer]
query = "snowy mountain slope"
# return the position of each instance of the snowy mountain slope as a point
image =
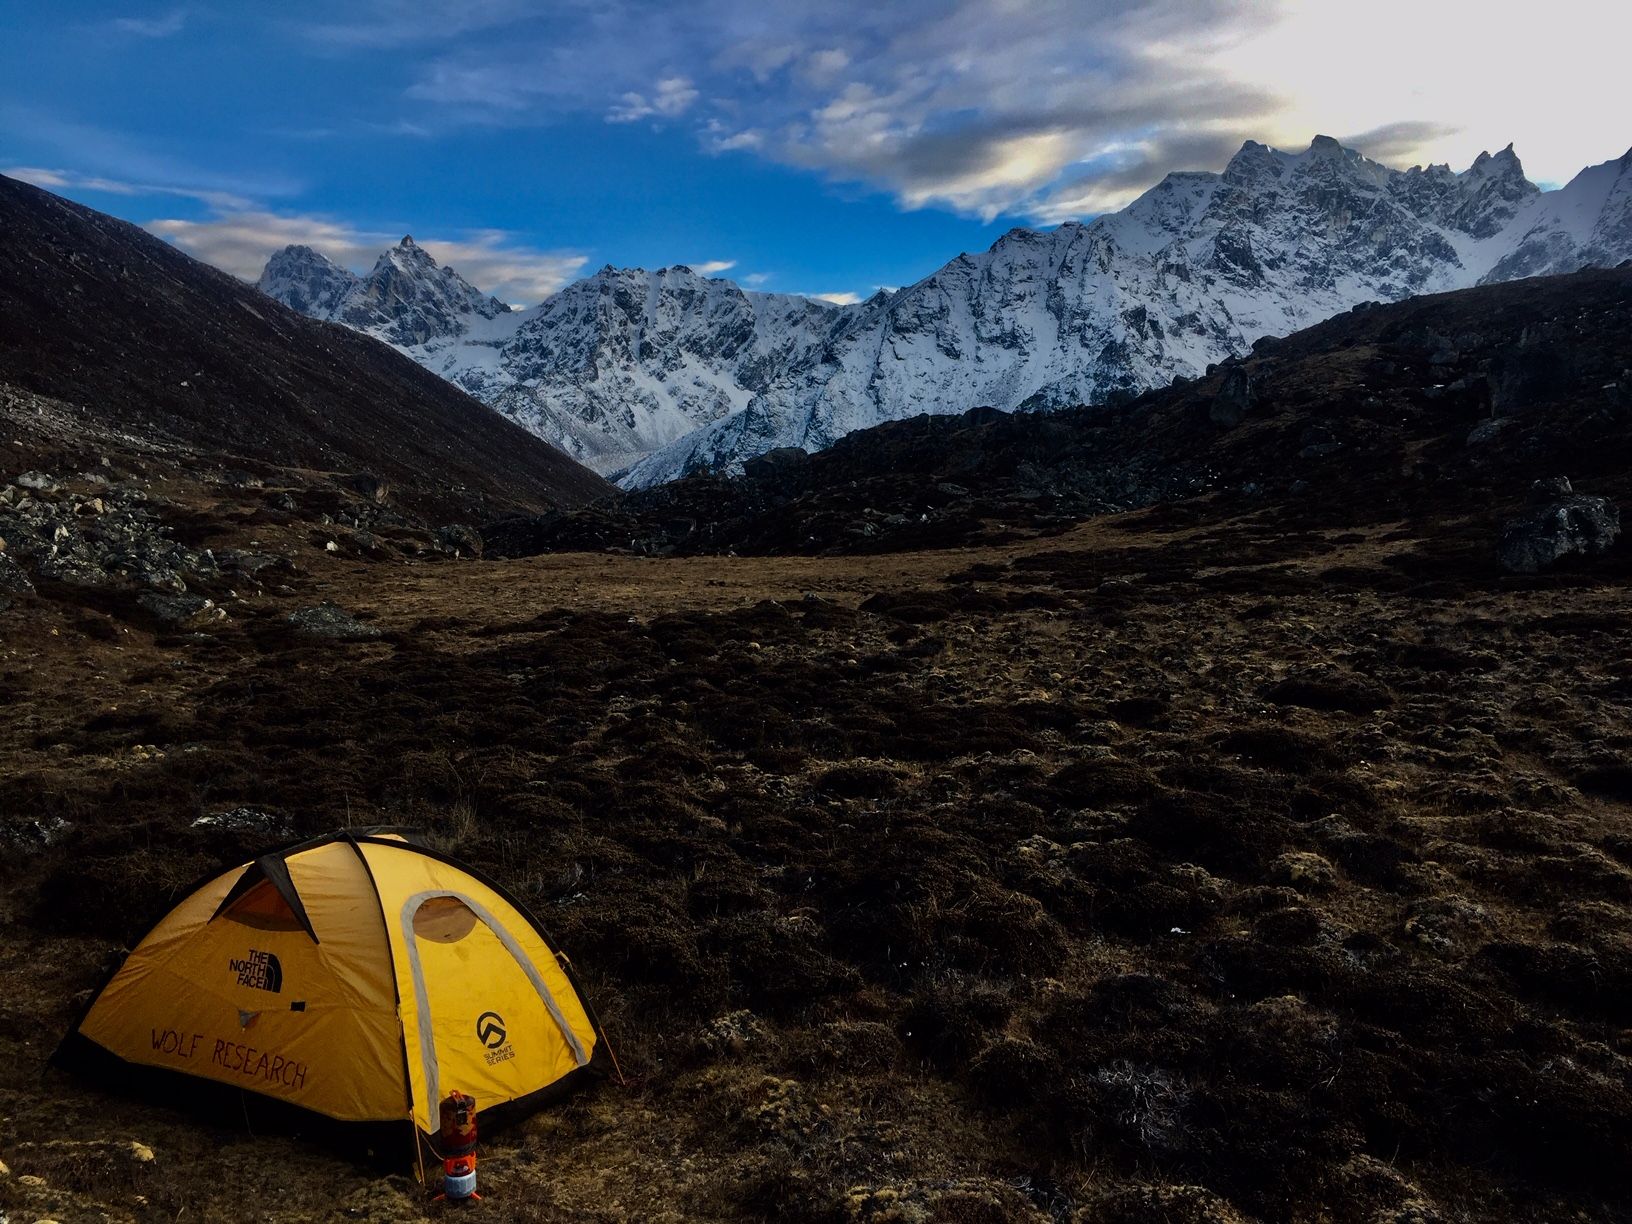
(1192, 272)
(611, 368)
(1588, 222)
(407, 299)
(650, 375)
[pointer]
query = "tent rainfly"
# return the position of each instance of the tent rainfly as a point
(362, 976)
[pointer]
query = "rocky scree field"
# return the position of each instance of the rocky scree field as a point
(1261, 856)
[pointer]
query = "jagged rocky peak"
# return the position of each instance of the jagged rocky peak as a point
(406, 299)
(306, 280)
(1587, 223)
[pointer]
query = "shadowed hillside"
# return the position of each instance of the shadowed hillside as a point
(1437, 404)
(139, 337)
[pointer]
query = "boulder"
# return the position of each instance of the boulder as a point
(328, 620)
(374, 488)
(181, 609)
(460, 540)
(40, 482)
(1235, 398)
(12, 579)
(1487, 430)
(1558, 528)
(246, 820)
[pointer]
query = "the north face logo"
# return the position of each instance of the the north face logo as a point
(260, 970)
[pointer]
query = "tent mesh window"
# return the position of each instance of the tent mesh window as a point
(444, 920)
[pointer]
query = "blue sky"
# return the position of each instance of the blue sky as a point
(818, 148)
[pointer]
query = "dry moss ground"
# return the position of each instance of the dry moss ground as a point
(1205, 871)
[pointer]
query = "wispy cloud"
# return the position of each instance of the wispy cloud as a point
(69, 180)
(171, 23)
(671, 98)
(1044, 109)
(971, 105)
(495, 261)
(836, 299)
(122, 163)
(712, 267)
(391, 24)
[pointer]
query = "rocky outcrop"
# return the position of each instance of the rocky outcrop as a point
(329, 620)
(59, 530)
(1564, 523)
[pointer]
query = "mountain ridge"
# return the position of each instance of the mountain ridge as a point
(1192, 272)
(98, 313)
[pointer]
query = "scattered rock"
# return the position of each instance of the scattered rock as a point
(375, 488)
(246, 820)
(181, 610)
(1574, 524)
(1550, 488)
(460, 540)
(33, 835)
(1487, 431)
(329, 620)
(12, 579)
(38, 481)
(120, 545)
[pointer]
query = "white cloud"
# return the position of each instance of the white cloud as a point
(1042, 108)
(836, 299)
(672, 98)
(712, 267)
(756, 278)
(69, 180)
(152, 27)
(492, 260)
(390, 24)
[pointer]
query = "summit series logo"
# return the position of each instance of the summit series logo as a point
(259, 970)
(491, 1033)
(490, 1029)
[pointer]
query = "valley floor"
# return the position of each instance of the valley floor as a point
(1166, 869)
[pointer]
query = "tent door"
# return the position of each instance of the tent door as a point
(487, 1022)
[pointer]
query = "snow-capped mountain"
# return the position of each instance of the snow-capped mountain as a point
(650, 375)
(627, 361)
(408, 299)
(609, 369)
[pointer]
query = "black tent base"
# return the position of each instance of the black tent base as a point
(388, 1147)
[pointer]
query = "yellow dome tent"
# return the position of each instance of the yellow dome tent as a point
(361, 976)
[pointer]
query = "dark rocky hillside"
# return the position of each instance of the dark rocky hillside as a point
(1437, 404)
(142, 339)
